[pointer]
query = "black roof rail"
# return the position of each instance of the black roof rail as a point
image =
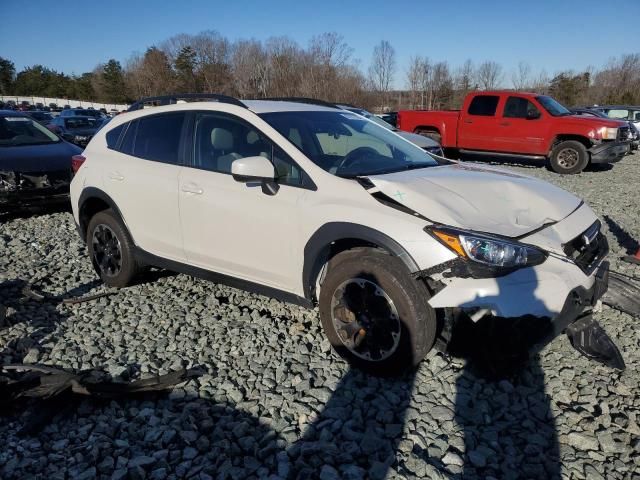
(310, 101)
(187, 97)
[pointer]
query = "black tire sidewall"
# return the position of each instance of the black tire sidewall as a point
(410, 297)
(129, 264)
(583, 155)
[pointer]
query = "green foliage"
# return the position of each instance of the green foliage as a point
(7, 75)
(113, 82)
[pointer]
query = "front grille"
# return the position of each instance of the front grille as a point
(588, 248)
(624, 134)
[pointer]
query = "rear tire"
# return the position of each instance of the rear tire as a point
(111, 250)
(569, 157)
(375, 315)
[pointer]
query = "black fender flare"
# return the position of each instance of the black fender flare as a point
(318, 247)
(89, 193)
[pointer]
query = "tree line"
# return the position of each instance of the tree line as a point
(324, 69)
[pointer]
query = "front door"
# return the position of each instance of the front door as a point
(521, 128)
(237, 228)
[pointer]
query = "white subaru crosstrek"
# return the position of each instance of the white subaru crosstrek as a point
(317, 205)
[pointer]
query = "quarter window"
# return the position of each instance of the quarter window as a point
(484, 105)
(113, 135)
(518, 107)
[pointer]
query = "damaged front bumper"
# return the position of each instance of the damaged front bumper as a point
(558, 291)
(21, 190)
(609, 152)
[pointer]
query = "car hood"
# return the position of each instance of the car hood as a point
(38, 158)
(419, 140)
(595, 122)
(483, 199)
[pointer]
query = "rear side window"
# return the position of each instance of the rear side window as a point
(158, 137)
(113, 136)
(484, 105)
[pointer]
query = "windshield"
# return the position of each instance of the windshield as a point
(18, 131)
(76, 123)
(348, 145)
(554, 108)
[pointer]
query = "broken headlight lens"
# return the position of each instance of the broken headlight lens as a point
(488, 250)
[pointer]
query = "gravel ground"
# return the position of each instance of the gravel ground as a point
(276, 402)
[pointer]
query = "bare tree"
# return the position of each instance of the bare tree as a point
(540, 83)
(250, 69)
(489, 75)
(521, 78)
(463, 82)
(382, 69)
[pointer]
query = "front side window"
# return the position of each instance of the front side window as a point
(346, 144)
(157, 137)
(20, 131)
(220, 139)
(484, 105)
(518, 107)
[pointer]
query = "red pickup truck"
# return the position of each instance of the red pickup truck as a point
(522, 125)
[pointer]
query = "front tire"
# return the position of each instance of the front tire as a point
(111, 250)
(374, 313)
(569, 157)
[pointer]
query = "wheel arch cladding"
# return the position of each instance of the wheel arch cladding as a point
(93, 200)
(335, 237)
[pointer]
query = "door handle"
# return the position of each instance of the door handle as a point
(192, 189)
(116, 176)
(468, 121)
(505, 124)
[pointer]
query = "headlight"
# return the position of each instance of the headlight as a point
(488, 250)
(608, 133)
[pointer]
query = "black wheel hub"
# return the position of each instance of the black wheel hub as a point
(107, 253)
(365, 319)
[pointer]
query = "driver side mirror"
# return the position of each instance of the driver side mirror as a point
(533, 115)
(255, 169)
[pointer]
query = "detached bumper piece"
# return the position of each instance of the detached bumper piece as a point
(590, 339)
(609, 152)
(623, 294)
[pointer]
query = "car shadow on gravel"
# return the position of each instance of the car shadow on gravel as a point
(501, 404)
(623, 237)
(358, 430)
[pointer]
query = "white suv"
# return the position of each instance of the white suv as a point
(317, 205)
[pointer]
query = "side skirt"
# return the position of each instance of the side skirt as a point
(153, 260)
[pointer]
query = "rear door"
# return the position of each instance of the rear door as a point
(521, 127)
(142, 178)
(478, 124)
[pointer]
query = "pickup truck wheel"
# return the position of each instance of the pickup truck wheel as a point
(111, 250)
(435, 136)
(569, 157)
(374, 313)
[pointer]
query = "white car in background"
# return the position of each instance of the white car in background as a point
(426, 143)
(318, 206)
